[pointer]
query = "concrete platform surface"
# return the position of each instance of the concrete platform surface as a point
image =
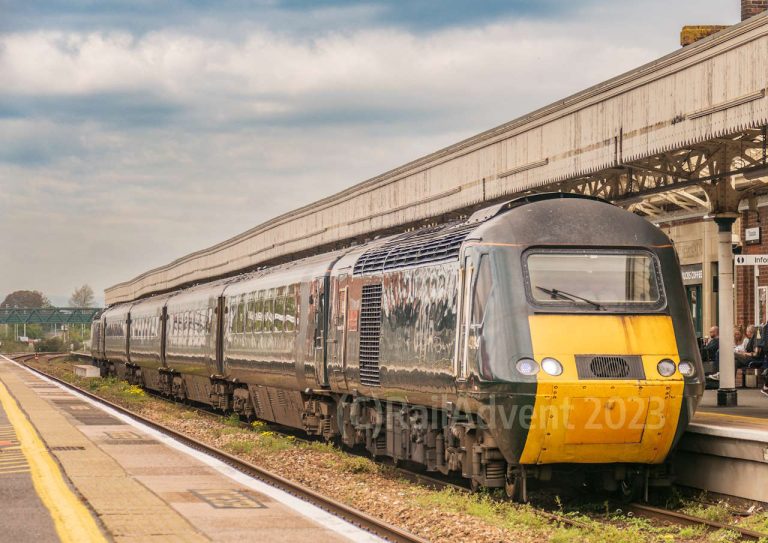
(136, 483)
(752, 403)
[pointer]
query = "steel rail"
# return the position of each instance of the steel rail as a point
(355, 517)
(675, 517)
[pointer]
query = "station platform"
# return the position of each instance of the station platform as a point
(725, 449)
(73, 470)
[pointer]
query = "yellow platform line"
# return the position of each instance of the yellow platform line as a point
(73, 521)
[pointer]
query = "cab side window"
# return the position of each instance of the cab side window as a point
(483, 287)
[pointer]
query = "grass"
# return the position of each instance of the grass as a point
(240, 446)
(115, 388)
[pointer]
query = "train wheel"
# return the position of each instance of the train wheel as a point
(511, 488)
(474, 484)
(630, 488)
(515, 484)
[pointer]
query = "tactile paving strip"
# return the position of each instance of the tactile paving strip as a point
(86, 414)
(12, 459)
(124, 437)
(229, 499)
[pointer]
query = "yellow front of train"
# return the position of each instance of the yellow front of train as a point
(599, 416)
(610, 379)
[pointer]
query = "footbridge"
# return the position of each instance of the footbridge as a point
(685, 133)
(48, 315)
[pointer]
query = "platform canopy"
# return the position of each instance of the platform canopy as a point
(49, 315)
(657, 139)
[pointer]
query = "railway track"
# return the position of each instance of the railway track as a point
(675, 517)
(358, 518)
(363, 520)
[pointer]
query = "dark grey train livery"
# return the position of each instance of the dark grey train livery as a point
(548, 330)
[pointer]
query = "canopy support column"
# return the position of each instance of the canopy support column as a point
(726, 394)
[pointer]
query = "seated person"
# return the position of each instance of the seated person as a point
(748, 354)
(711, 350)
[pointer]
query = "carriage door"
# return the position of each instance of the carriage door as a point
(219, 334)
(163, 335)
(128, 330)
(321, 329)
(465, 304)
(339, 331)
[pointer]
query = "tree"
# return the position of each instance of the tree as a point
(82, 297)
(26, 299)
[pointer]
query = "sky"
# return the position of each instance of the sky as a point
(135, 132)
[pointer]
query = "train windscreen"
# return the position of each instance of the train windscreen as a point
(594, 279)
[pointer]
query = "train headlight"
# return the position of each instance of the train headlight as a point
(666, 368)
(527, 366)
(552, 367)
(686, 368)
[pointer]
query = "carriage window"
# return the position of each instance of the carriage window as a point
(483, 285)
(250, 316)
(268, 304)
(593, 279)
(258, 324)
(279, 314)
(290, 313)
(239, 318)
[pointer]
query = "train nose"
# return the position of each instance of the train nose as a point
(621, 405)
(602, 423)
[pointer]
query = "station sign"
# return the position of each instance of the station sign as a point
(752, 235)
(751, 260)
(693, 274)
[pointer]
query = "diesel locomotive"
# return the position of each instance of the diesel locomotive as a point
(545, 333)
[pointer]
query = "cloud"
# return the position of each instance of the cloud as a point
(121, 149)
